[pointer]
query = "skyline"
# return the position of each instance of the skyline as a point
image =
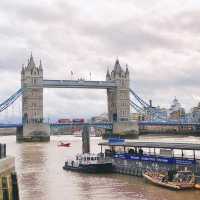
(70, 37)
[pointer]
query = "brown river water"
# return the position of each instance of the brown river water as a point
(41, 177)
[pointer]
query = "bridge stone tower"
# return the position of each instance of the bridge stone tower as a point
(118, 99)
(32, 103)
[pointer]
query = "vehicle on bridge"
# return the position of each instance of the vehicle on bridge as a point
(77, 120)
(64, 121)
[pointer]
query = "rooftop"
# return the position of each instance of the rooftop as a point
(160, 145)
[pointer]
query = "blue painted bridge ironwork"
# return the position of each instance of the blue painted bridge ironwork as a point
(167, 123)
(70, 125)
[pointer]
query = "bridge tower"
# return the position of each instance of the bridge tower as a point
(32, 103)
(118, 102)
(118, 99)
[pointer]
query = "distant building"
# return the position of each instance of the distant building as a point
(195, 114)
(178, 114)
(175, 105)
(156, 113)
(99, 119)
(103, 118)
(176, 111)
(136, 117)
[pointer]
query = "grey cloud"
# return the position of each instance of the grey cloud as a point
(75, 95)
(161, 50)
(181, 23)
(41, 12)
(130, 36)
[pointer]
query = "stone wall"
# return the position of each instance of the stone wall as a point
(36, 129)
(7, 164)
(130, 127)
(8, 179)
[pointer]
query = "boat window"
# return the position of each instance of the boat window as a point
(92, 158)
(97, 158)
(88, 158)
(84, 158)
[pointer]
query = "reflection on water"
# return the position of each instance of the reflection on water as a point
(41, 177)
(33, 160)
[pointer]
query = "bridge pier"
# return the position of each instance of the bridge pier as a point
(85, 140)
(33, 133)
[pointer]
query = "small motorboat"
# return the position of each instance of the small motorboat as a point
(178, 181)
(62, 144)
(197, 182)
(197, 186)
(89, 163)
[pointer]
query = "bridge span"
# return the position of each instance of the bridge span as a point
(79, 84)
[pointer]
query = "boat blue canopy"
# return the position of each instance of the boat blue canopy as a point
(160, 145)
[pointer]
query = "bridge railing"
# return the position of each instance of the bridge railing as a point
(78, 84)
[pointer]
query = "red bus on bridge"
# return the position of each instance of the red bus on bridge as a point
(64, 121)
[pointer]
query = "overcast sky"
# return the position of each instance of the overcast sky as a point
(158, 39)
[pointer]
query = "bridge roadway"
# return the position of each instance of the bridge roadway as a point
(70, 125)
(79, 84)
(167, 123)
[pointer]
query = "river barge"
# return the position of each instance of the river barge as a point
(135, 158)
(89, 163)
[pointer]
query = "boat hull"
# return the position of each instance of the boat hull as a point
(90, 168)
(170, 185)
(197, 186)
(64, 145)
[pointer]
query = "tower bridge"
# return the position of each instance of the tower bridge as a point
(32, 84)
(119, 101)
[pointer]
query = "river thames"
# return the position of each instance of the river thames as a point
(41, 177)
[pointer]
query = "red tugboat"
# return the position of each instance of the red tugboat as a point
(62, 144)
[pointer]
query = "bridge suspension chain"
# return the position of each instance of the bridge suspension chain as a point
(136, 107)
(141, 101)
(10, 100)
(145, 108)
